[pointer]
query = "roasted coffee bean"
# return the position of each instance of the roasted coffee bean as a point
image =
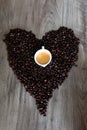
(41, 81)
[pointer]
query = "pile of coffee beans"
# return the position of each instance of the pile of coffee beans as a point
(41, 81)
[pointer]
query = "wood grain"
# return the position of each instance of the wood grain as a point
(67, 109)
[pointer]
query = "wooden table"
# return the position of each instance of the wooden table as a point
(67, 109)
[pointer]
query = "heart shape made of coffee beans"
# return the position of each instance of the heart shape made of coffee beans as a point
(41, 81)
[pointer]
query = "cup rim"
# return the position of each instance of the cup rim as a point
(41, 50)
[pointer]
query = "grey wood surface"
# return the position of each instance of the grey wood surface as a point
(67, 110)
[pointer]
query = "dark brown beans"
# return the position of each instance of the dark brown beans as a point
(38, 81)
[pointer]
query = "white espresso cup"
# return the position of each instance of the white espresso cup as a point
(43, 57)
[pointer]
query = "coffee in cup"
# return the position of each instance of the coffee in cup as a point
(43, 57)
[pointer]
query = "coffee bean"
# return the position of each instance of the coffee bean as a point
(38, 81)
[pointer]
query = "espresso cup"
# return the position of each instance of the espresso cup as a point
(43, 57)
